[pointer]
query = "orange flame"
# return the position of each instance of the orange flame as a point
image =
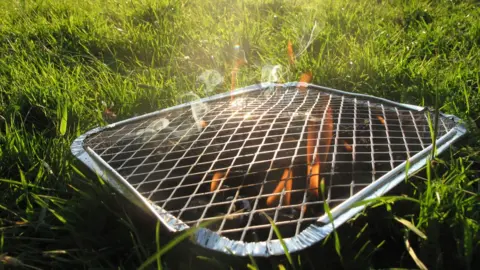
(348, 147)
(109, 114)
(286, 177)
(305, 78)
(291, 55)
(202, 123)
(215, 180)
(381, 119)
(314, 170)
(314, 178)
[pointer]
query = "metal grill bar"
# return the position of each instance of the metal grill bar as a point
(97, 136)
(228, 129)
(304, 200)
(213, 152)
(121, 139)
(135, 168)
(403, 134)
(250, 140)
(263, 209)
(372, 149)
(242, 237)
(354, 146)
(334, 157)
(198, 158)
(444, 125)
(163, 159)
(261, 187)
(233, 161)
(270, 233)
(250, 185)
(388, 137)
(427, 117)
(217, 159)
(223, 159)
(416, 129)
(123, 136)
(249, 135)
(235, 141)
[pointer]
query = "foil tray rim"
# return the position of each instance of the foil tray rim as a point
(309, 236)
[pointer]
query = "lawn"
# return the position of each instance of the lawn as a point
(69, 66)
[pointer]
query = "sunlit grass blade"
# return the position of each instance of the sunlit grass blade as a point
(414, 256)
(61, 59)
(411, 227)
(174, 242)
(214, 262)
(157, 240)
(280, 238)
(254, 263)
(30, 185)
(383, 200)
(135, 236)
(327, 210)
(361, 250)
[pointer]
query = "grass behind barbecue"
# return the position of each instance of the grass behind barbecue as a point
(63, 62)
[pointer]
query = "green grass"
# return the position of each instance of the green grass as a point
(63, 63)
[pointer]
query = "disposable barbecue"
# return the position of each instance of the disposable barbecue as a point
(264, 150)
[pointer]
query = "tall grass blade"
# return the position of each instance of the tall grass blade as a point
(63, 120)
(280, 238)
(157, 240)
(173, 243)
(411, 227)
(414, 256)
(254, 263)
(212, 261)
(383, 200)
(327, 210)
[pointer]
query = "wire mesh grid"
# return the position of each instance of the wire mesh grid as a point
(266, 152)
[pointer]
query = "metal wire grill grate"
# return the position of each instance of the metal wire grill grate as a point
(263, 151)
